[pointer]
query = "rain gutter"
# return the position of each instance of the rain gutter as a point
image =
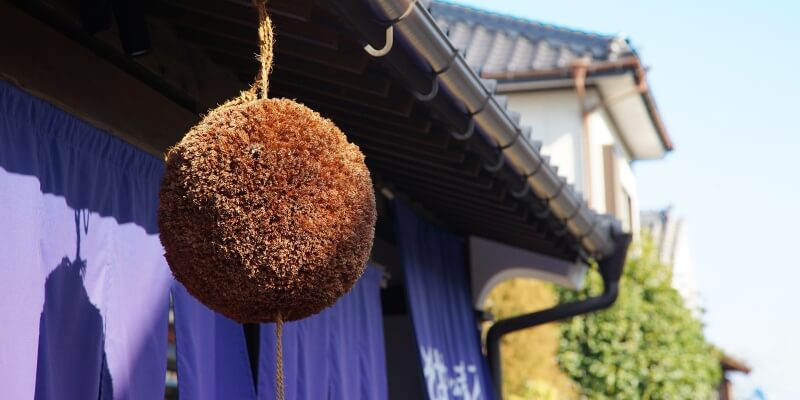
(407, 31)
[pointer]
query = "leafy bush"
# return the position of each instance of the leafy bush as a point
(647, 346)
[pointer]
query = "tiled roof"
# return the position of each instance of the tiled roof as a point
(496, 43)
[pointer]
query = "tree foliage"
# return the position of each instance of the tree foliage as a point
(647, 346)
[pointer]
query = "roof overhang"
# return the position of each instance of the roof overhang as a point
(447, 143)
(492, 263)
(624, 92)
(729, 363)
(629, 109)
(412, 44)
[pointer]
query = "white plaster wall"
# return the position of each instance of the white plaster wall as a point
(602, 132)
(555, 118)
(683, 277)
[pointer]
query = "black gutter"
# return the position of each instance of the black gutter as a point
(412, 44)
(610, 269)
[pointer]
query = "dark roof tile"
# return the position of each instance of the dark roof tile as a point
(499, 43)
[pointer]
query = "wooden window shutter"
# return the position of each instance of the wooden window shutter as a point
(611, 179)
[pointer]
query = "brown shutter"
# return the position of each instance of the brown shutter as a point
(611, 179)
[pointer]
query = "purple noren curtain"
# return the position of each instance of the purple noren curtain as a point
(84, 287)
(211, 352)
(83, 284)
(438, 290)
(335, 355)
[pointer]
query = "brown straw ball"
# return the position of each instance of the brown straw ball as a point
(266, 209)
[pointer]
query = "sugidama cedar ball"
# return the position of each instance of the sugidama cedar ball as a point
(266, 208)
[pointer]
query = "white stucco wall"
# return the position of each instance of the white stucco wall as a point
(683, 277)
(603, 132)
(555, 117)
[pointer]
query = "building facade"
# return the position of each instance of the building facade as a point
(584, 96)
(671, 239)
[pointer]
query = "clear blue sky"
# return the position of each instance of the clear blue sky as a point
(726, 77)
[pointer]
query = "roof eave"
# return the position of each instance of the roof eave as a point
(410, 22)
(595, 70)
(729, 363)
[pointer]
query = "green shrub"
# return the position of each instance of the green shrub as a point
(647, 346)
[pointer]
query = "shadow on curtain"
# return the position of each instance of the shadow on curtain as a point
(71, 337)
(78, 304)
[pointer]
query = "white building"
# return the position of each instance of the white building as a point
(670, 236)
(584, 95)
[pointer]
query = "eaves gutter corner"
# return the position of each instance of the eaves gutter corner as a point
(611, 268)
(390, 22)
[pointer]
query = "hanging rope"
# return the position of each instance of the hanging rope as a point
(279, 390)
(266, 40)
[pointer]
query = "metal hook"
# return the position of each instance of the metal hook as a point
(387, 46)
(466, 135)
(426, 97)
(435, 82)
(498, 164)
(544, 213)
(521, 193)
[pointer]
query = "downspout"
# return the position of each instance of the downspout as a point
(610, 270)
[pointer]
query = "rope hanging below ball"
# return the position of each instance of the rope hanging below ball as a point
(267, 212)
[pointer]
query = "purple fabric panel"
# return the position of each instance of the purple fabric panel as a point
(71, 330)
(441, 308)
(137, 316)
(356, 347)
(211, 351)
(373, 354)
(83, 285)
(21, 281)
(305, 359)
(337, 354)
